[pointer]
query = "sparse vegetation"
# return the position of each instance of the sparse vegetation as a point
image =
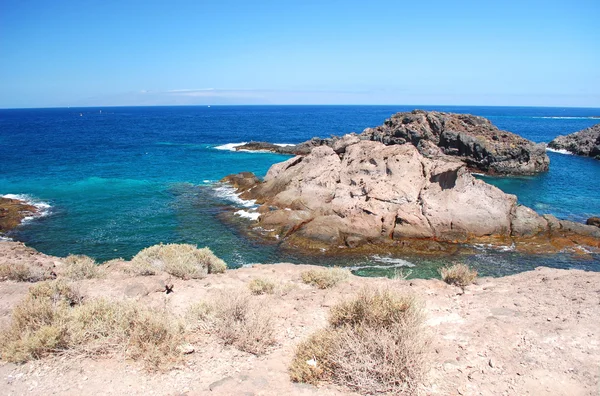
(181, 260)
(458, 274)
(237, 320)
(23, 272)
(53, 318)
(79, 267)
(324, 278)
(374, 343)
(260, 286)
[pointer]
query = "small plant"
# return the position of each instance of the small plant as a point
(79, 267)
(375, 343)
(181, 260)
(324, 278)
(458, 274)
(237, 320)
(260, 286)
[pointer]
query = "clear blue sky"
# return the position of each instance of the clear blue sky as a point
(510, 52)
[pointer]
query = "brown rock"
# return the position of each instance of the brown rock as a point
(593, 221)
(373, 194)
(12, 213)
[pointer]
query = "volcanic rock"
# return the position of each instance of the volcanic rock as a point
(474, 140)
(585, 142)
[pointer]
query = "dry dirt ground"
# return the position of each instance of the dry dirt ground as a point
(535, 333)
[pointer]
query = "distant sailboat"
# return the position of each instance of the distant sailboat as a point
(80, 114)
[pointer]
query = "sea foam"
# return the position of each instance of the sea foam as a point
(559, 151)
(234, 146)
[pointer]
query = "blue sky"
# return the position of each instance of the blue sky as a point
(87, 53)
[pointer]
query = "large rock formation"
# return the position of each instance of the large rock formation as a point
(585, 142)
(372, 194)
(474, 140)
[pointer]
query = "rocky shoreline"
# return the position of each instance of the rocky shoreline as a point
(473, 140)
(530, 333)
(368, 195)
(585, 142)
(12, 213)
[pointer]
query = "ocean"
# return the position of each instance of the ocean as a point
(113, 180)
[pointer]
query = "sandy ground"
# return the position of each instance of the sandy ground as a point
(535, 333)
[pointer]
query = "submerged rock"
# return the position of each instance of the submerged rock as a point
(473, 140)
(585, 142)
(371, 193)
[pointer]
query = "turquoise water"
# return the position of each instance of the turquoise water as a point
(120, 179)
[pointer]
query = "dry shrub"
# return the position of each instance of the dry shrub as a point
(21, 272)
(79, 267)
(458, 274)
(142, 333)
(374, 343)
(260, 286)
(237, 320)
(184, 261)
(375, 308)
(54, 319)
(324, 278)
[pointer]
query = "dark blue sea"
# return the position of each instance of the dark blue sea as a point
(114, 180)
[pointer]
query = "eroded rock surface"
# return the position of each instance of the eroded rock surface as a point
(585, 142)
(474, 140)
(372, 193)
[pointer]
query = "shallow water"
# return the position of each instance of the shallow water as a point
(121, 179)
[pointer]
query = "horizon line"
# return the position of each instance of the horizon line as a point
(417, 106)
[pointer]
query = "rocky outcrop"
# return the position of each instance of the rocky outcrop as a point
(370, 193)
(585, 142)
(474, 140)
(593, 221)
(12, 213)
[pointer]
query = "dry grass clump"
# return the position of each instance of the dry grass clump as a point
(24, 273)
(374, 308)
(79, 267)
(237, 320)
(374, 343)
(184, 261)
(53, 319)
(324, 278)
(260, 286)
(458, 274)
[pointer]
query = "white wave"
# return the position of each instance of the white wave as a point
(390, 262)
(230, 146)
(234, 146)
(559, 151)
(228, 193)
(570, 118)
(500, 248)
(42, 208)
(248, 215)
